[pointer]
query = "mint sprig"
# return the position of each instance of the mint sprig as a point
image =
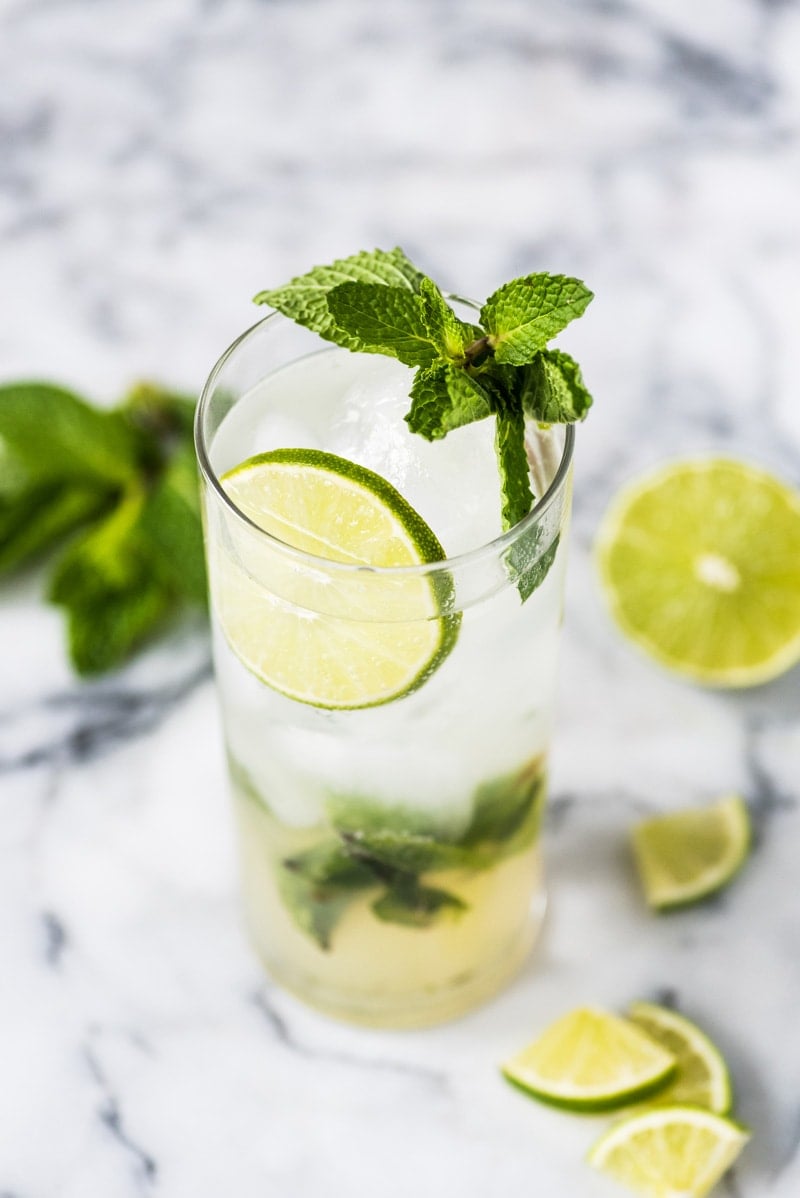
(114, 495)
(379, 302)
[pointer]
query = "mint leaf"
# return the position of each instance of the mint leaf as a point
(317, 887)
(383, 320)
(170, 523)
(304, 299)
(449, 333)
(406, 852)
(523, 315)
(512, 462)
(113, 595)
(507, 811)
(415, 906)
(445, 397)
(38, 517)
(530, 574)
(159, 412)
(55, 435)
(555, 391)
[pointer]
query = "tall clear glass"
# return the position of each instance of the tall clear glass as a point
(390, 854)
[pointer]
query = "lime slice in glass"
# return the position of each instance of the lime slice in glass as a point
(591, 1061)
(670, 1152)
(700, 564)
(702, 1078)
(346, 640)
(689, 854)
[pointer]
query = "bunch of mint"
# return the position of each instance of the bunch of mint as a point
(117, 492)
(380, 303)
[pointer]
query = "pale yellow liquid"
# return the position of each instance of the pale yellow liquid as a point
(380, 973)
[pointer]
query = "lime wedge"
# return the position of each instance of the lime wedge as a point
(702, 1078)
(689, 854)
(700, 564)
(335, 641)
(670, 1152)
(590, 1061)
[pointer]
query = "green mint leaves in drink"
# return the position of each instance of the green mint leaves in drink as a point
(113, 495)
(501, 366)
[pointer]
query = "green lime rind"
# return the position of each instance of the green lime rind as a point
(702, 1069)
(665, 895)
(426, 545)
(669, 1167)
(594, 1106)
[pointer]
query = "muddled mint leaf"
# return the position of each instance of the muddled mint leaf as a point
(54, 435)
(415, 906)
(507, 811)
(328, 865)
(383, 320)
(113, 595)
(529, 570)
(447, 332)
(170, 525)
(304, 299)
(405, 852)
(318, 885)
(445, 397)
(512, 462)
(523, 315)
(556, 393)
(38, 517)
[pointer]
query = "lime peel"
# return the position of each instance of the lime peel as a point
(703, 1078)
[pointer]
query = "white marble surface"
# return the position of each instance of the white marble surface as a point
(159, 162)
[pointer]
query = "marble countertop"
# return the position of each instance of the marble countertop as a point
(161, 161)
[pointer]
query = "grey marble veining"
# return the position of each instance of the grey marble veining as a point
(160, 162)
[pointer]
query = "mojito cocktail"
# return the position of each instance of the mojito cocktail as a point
(386, 661)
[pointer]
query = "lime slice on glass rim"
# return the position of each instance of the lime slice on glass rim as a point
(590, 1060)
(669, 1152)
(686, 855)
(700, 564)
(327, 506)
(702, 1078)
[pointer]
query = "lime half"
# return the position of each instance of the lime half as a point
(670, 1152)
(333, 639)
(702, 1078)
(700, 563)
(684, 856)
(591, 1061)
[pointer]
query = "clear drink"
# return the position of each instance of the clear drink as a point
(391, 860)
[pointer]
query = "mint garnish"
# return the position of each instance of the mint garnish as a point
(122, 484)
(379, 302)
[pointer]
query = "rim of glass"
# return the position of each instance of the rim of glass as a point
(493, 548)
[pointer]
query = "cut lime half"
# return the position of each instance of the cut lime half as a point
(689, 854)
(700, 564)
(670, 1152)
(343, 639)
(591, 1061)
(702, 1078)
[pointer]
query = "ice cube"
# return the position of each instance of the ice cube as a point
(452, 483)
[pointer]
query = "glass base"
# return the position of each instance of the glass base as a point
(421, 1009)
